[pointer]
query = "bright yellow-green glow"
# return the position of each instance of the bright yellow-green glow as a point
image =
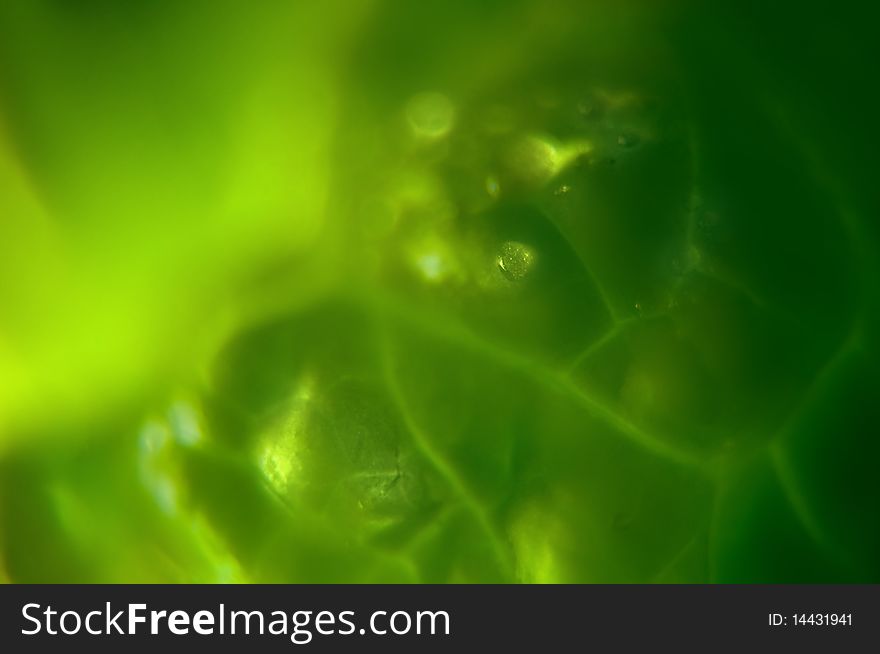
(279, 453)
(535, 539)
(536, 160)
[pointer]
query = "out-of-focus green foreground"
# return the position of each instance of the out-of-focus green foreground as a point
(362, 291)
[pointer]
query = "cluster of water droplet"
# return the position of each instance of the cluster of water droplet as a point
(455, 162)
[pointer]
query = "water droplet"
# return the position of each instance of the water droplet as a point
(430, 115)
(515, 260)
(628, 140)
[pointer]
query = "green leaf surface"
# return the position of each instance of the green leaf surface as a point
(437, 292)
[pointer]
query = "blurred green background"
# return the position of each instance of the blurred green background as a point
(438, 291)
